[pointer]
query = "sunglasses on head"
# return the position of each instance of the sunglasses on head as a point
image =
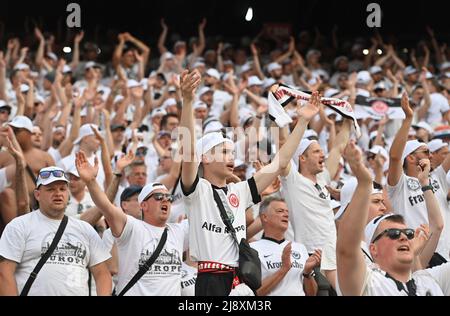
(56, 173)
(161, 196)
(395, 233)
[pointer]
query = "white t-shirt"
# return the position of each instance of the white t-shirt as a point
(312, 217)
(65, 273)
(56, 155)
(439, 105)
(440, 185)
(178, 208)
(208, 238)
(220, 99)
(408, 200)
(441, 275)
(136, 244)
(73, 205)
(270, 253)
(377, 284)
(188, 279)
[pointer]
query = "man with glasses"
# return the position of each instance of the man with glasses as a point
(404, 189)
(5, 112)
(137, 239)
(393, 246)
(28, 237)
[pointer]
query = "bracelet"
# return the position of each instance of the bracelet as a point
(427, 188)
(309, 275)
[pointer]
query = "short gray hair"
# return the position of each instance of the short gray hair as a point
(266, 203)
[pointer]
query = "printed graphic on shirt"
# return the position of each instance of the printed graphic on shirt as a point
(168, 262)
(70, 250)
(189, 282)
(413, 184)
(271, 265)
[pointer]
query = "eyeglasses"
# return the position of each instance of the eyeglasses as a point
(395, 233)
(161, 196)
(56, 173)
(4, 111)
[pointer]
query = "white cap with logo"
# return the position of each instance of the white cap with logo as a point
(149, 189)
(49, 175)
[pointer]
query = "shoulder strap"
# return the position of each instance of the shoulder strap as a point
(31, 174)
(146, 266)
(45, 257)
(224, 216)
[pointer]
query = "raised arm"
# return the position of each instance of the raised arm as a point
(162, 38)
(145, 50)
(76, 50)
(282, 161)
(198, 50)
(189, 84)
(115, 217)
(256, 62)
(436, 222)
(398, 146)
(2, 77)
(422, 112)
(106, 159)
(40, 51)
(332, 162)
(118, 51)
(67, 145)
(351, 267)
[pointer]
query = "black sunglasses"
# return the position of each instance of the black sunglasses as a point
(160, 197)
(56, 173)
(395, 233)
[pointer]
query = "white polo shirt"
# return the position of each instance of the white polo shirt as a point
(136, 244)
(209, 240)
(65, 273)
(311, 216)
(270, 253)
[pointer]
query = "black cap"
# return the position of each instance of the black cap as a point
(50, 76)
(129, 192)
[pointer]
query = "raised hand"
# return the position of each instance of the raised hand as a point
(291, 45)
(423, 169)
(125, 161)
(190, 81)
(254, 49)
(202, 24)
(79, 37)
(313, 261)
(406, 106)
(312, 108)
(353, 155)
(421, 237)
(38, 34)
(164, 25)
(286, 257)
(97, 134)
(86, 171)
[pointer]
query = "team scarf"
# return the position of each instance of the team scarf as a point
(377, 108)
(284, 95)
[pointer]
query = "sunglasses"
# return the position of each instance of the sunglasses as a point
(4, 111)
(395, 233)
(56, 173)
(161, 196)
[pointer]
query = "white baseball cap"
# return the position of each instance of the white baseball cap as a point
(372, 227)
(91, 64)
(199, 105)
(52, 56)
(167, 55)
(85, 131)
(24, 88)
(209, 141)
(412, 146)
(133, 84)
(273, 66)
(169, 102)
(49, 175)
(204, 90)
(66, 69)
(268, 82)
(254, 81)
(363, 77)
(379, 150)
(213, 73)
(213, 126)
(21, 66)
(310, 133)
(73, 170)
(347, 192)
(158, 112)
(149, 189)
(436, 144)
(302, 147)
(246, 67)
(425, 126)
(22, 122)
(375, 69)
(445, 65)
(410, 70)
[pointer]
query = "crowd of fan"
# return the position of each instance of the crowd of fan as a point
(332, 194)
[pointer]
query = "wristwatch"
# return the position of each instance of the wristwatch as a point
(426, 188)
(309, 275)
